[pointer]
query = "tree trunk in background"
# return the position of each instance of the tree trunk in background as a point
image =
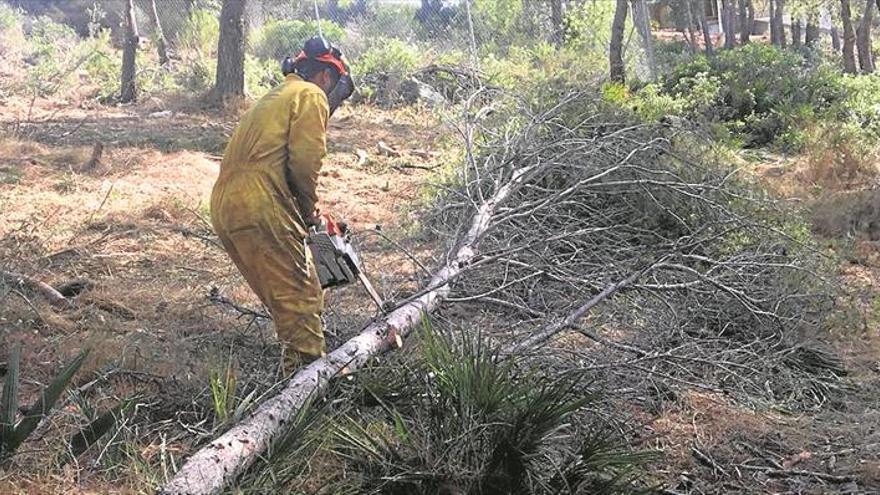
(778, 21)
(745, 27)
(774, 31)
(812, 33)
(690, 26)
(835, 39)
(849, 38)
(617, 69)
(161, 43)
(697, 6)
(796, 33)
(863, 39)
(728, 20)
(643, 25)
(556, 19)
(230, 50)
(128, 90)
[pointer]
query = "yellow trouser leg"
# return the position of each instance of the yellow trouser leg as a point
(271, 255)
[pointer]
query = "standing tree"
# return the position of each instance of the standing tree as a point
(696, 6)
(746, 19)
(796, 33)
(556, 20)
(161, 43)
(849, 38)
(128, 89)
(863, 39)
(777, 24)
(835, 39)
(230, 50)
(728, 21)
(811, 33)
(643, 25)
(617, 69)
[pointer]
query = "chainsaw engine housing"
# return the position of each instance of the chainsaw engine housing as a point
(336, 261)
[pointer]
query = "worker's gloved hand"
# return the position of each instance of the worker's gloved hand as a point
(341, 92)
(313, 220)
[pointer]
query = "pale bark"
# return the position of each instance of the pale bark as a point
(54, 297)
(215, 466)
(643, 25)
(161, 43)
(849, 38)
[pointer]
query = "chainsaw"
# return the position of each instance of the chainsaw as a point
(336, 259)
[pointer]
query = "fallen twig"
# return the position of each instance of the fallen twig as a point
(53, 296)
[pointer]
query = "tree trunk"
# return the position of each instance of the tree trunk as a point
(835, 39)
(812, 33)
(218, 464)
(690, 26)
(556, 19)
(230, 50)
(863, 39)
(617, 69)
(728, 20)
(643, 25)
(849, 38)
(697, 6)
(796, 33)
(161, 43)
(128, 89)
(777, 24)
(745, 27)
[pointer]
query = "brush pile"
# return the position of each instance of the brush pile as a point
(734, 294)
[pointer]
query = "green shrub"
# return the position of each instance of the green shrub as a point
(12, 38)
(199, 34)
(104, 65)
(463, 420)
(383, 68)
(861, 105)
(281, 38)
(261, 75)
(762, 93)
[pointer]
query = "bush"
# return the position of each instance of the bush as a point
(261, 75)
(281, 38)
(199, 34)
(11, 35)
(465, 421)
(384, 68)
(764, 94)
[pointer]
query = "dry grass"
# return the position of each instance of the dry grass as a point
(137, 227)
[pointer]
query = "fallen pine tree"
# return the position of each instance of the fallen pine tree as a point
(557, 211)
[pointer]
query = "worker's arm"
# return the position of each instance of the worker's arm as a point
(307, 144)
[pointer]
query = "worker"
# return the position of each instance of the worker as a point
(264, 199)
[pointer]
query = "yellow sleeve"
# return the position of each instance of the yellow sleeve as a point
(307, 144)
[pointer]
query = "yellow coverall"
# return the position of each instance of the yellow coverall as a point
(265, 189)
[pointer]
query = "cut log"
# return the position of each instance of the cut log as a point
(219, 463)
(53, 296)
